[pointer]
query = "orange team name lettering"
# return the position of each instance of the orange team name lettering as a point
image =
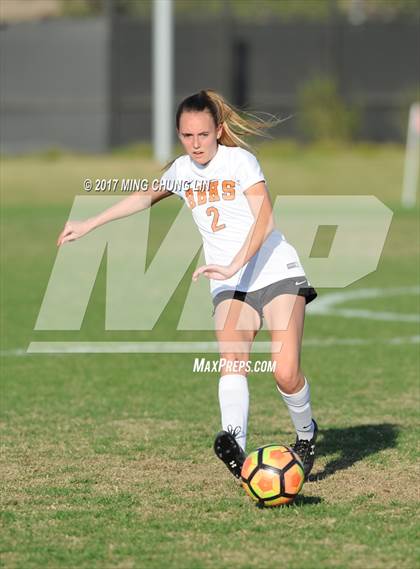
(228, 190)
(189, 194)
(201, 195)
(210, 194)
(213, 193)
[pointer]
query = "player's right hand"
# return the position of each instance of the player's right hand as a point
(72, 231)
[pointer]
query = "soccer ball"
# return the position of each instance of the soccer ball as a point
(272, 475)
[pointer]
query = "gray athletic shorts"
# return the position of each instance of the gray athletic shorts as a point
(259, 298)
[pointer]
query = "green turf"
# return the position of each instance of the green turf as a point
(107, 459)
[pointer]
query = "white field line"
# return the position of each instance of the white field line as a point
(327, 304)
(187, 347)
(324, 305)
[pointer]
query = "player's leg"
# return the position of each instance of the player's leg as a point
(285, 316)
(236, 326)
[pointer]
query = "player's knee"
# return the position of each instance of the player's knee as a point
(232, 362)
(287, 377)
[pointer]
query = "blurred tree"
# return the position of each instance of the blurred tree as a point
(135, 8)
(80, 8)
(323, 115)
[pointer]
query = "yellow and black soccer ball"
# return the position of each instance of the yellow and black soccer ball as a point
(272, 475)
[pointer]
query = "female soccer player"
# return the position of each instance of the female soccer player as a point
(254, 272)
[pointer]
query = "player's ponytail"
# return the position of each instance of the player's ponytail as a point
(236, 124)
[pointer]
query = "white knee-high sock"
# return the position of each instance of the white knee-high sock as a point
(234, 405)
(299, 405)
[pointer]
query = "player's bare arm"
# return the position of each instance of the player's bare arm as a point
(128, 206)
(261, 208)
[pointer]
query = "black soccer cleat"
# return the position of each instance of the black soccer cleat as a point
(229, 451)
(306, 451)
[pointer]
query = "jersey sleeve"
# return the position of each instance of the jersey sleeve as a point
(249, 171)
(170, 180)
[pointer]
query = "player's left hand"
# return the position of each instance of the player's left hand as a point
(216, 272)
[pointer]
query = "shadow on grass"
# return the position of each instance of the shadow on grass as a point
(302, 500)
(354, 444)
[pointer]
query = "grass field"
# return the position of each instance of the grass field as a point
(107, 458)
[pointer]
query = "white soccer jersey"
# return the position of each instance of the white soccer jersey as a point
(215, 194)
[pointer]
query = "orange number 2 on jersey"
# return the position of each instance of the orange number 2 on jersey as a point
(215, 213)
